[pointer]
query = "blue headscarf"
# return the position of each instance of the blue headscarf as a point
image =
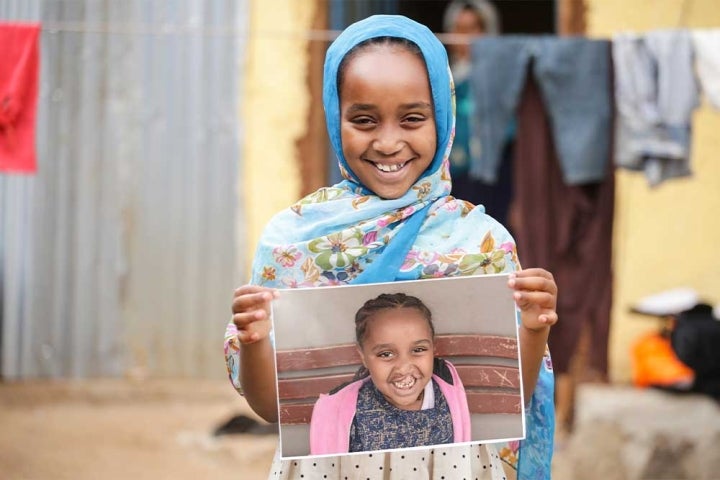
(436, 61)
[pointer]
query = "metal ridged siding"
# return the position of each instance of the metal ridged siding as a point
(120, 254)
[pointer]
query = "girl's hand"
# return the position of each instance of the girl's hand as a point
(251, 312)
(536, 296)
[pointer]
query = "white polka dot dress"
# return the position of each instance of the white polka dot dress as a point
(470, 462)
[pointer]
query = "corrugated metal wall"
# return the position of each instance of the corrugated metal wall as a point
(120, 254)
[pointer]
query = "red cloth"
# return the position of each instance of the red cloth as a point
(19, 72)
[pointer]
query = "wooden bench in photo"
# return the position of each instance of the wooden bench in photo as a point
(487, 365)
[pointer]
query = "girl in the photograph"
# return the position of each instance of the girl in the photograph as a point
(402, 396)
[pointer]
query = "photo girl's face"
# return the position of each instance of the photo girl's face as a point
(387, 126)
(397, 350)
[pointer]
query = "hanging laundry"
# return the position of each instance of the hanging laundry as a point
(19, 71)
(573, 75)
(494, 196)
(566, 229)
(655, 95)
(707, 62)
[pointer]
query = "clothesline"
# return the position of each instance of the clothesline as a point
(176, 29)
(321, 35)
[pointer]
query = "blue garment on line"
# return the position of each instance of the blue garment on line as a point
(574, 75)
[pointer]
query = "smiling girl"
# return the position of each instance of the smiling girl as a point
(403, 397)
(389, 108)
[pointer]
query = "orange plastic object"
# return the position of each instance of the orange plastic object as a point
(655, 364)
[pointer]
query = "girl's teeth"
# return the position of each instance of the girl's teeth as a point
(406, 384)
(389, 168)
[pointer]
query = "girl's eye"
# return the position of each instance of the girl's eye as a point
(420, 349)
(385, 355)
(362, 121)
(412, 119)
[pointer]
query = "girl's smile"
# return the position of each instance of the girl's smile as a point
(386, 175)
(405, 383)
(393, 167)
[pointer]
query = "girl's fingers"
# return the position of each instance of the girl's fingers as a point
(249, 329)
(537, 274)
(251, 312)
(251, 289)
(533, 283)
(244, 289)
(542, 321)
(245, 301)
(529, 298)
(241, 320)
(550, 318)
(248, 337)
(533, 272)
(535, 291)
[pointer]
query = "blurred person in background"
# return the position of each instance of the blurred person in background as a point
(465, 21)
(469, 18)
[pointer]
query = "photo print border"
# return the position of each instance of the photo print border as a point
(476, 330)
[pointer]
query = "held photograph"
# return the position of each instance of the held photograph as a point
(399, 365)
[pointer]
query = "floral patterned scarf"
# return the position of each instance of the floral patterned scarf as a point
(345, 234)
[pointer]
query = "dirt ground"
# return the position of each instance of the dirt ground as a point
(123, 429)
(119, 429)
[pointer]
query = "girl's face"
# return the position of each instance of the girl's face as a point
(387, 124)
(398, 352)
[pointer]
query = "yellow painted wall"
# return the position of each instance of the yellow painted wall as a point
(668, 236)
(275, 108)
